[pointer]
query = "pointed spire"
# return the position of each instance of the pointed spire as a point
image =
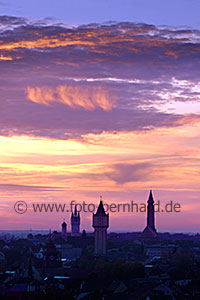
(150, 200)
(100, 209)
(150, 230)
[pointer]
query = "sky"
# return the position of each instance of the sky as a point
(77, 12)
(99, 98)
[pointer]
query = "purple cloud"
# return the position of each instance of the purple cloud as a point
(141, 66)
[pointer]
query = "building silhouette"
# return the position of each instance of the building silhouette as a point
(75, 223)
(150, 230)
(64, 229)
(100, 224)
(52, 257)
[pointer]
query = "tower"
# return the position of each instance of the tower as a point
(75, 223)
(64, 229)
(100, 224)
(52, 258)
(150, 230)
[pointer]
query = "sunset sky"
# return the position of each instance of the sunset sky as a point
(100, 98)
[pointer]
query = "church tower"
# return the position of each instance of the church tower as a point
(64, 229)
(75, 223)
(150, 230)
(100, 224)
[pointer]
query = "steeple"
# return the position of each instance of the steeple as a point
(150, 200)
(150, 211)
(150, 230)
(100, 209)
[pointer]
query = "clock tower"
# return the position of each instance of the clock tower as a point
(100, 224)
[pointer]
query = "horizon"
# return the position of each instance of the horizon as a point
(90, 232)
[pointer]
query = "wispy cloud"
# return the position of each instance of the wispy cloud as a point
(73, 96)
(19, 187)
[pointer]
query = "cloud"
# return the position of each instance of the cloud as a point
(130, 172)
(2, 57)
(122, 90)
(12, 21)
(19, 187)
(96, 77)
(73, 96)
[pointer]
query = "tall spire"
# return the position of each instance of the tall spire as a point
(150, 230)
(150, 200)
(150, 211)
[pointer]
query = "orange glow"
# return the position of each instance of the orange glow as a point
(85, 169)
(172, 53)
(72, 96)
(94, 163)
(189, 119)
(2, 57)
(93, 39)
(42, 43)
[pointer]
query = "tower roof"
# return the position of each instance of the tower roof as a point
(100, 209)
(150, 200)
